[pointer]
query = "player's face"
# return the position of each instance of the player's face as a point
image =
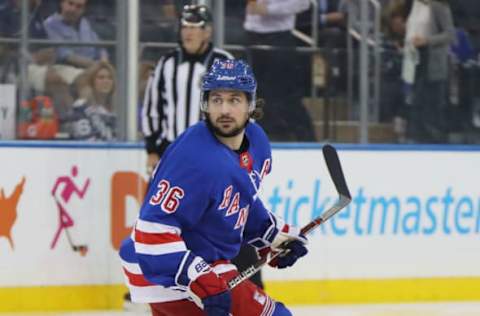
(195, 39)
(227, 112)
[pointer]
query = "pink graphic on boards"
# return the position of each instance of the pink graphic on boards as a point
(62, 197)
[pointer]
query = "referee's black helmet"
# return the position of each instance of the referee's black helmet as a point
(195, 15)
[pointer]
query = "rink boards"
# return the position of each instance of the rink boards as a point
(411, 232)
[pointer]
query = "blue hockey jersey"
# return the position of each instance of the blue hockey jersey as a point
(203, 200)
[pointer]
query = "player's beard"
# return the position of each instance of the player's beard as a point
(218, 131)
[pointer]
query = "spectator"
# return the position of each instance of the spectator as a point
(332, 38)
(102, 17)
(234, 18)
(71, 25)
(270, 22)
(42, 74)
(351, 11)
(395, 25)
(467, 16)
(330, 14)
(331, 23)
(429, 34)
(159, 18)
(93, 118)
(391, 98)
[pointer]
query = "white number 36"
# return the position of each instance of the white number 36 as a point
(167, 197)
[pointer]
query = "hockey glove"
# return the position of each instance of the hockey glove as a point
(291, 253)
(291, 245)
(204, 285)
(213, 291)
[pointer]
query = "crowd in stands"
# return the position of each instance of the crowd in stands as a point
(440, 102)
(63, 73)
(80, 80)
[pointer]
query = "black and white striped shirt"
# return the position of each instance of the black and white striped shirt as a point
(172, 98)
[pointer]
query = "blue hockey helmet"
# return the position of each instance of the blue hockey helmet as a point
(230, 74)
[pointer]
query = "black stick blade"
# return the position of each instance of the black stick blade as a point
(335, 170)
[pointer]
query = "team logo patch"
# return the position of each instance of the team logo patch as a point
(246, 161)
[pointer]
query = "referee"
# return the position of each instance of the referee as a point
(172, 97)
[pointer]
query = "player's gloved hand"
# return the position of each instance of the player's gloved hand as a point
(291, 253)
(212, 289)
(291, 245)
(205, 285)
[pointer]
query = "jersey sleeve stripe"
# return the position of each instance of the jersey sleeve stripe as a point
(157, 294)
(131, 267)
(151, 227)
(160, 249)
(136, 279)
(153, 239)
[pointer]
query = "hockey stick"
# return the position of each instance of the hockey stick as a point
(336, 174)
(82, 249)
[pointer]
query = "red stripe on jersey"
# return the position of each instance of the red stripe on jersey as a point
(137, 279)
(153, 239)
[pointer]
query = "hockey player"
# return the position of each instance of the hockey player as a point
(203, 204)
(172, 97)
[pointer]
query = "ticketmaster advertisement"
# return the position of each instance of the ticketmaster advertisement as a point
(413, 214)
(414, 221)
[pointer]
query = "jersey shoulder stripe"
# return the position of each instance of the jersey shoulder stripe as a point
(153, 239)
(160, 249)
(152, 227)
(157, 239)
